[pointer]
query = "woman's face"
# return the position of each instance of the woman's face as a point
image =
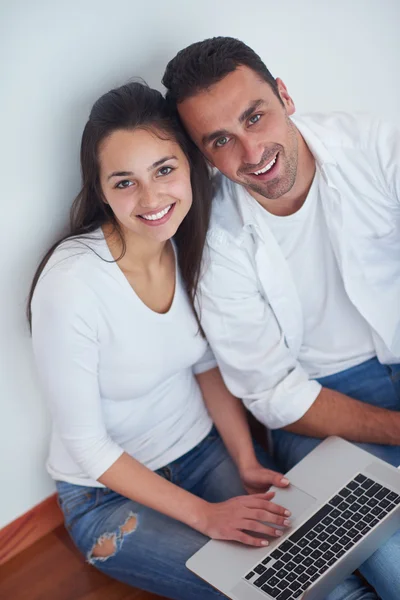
(146, 182)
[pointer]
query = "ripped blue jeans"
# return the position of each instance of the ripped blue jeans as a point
(151, 549)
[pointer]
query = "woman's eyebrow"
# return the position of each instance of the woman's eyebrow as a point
(153, 166)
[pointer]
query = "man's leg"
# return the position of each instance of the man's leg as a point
(379, 385)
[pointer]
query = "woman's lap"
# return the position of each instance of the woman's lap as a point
(152, 550)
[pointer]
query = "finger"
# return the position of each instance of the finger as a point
(258, 527)
(265, 515)
(269, 477)
(249, 540)
(261, 501)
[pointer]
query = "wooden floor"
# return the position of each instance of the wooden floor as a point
(52, 569)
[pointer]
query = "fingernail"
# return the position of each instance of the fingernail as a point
(285, 481)
(264, 543)
(288, 513)
(287, 522)
(278, 533)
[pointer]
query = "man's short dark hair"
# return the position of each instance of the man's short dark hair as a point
(200, 65)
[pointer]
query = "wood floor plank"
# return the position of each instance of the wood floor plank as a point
(52, 569)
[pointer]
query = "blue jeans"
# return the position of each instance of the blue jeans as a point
(379, 385)
(153, 554)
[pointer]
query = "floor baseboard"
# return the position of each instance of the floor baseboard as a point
(29, 528)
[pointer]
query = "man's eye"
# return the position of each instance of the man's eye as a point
(254, 119)
(165, 170)
(222, 141)
(124, 184)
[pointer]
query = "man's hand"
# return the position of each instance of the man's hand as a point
(256, 479)
(238, 517)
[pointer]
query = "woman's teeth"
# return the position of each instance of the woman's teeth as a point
(267, 168)
(158, 215)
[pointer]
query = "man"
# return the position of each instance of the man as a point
(300, 297)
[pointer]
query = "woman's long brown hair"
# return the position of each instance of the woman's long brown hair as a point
(128, 107)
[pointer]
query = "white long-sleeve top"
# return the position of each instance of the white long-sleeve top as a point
(251, 309)
(116, 375)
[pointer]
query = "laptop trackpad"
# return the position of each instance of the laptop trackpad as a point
(294, 499)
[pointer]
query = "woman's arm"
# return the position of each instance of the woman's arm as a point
(229, 417)
(222, 520)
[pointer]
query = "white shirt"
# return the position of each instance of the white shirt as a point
(250, 307)
(117, 375)
(336, 336)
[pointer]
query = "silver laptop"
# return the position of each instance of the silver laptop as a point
(345, 503)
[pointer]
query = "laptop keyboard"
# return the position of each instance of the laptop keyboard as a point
(304, 556)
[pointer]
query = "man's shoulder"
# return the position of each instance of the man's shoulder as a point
(340, 130)
(226, 223)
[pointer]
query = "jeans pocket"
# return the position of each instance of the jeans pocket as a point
(75, 499)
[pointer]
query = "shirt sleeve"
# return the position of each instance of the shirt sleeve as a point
(65, 344)
(248, 344)
(206, 362)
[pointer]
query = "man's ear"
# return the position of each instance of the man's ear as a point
(285, 97)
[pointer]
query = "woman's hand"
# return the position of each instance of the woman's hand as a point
(238, 517)
(257, 479)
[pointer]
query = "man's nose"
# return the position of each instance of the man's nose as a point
(251, 152)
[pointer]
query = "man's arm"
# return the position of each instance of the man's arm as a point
(333, 413)
(258, 367)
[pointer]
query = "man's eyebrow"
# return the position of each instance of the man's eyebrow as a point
(253, 106)
(153, 166)
(210, 137)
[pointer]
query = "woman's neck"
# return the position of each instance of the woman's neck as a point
(140, 254)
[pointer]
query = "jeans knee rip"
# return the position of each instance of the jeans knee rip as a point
(109, 544)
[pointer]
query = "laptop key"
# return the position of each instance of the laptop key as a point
(299, 569)
(314, 544)
(269, 590)
(295, 550)
(290, 577)
(307, 562)
(297, 594)
(344, 492)
(372, 502)
(382, 493)
(294, 586)
(367, 483)
(352, 485)
(360, 478)
(264, 577)
(281, 574)
(312, 535)
(276, 553)
(307, 551)
(336, 500)
(285, 546)
(384, 503)
(323, 569)
(328, 555)
(284, 595)
(316, 554)
(311, 571)
(250, 575)
(282, 585)
(359, 491)
(318, 528)
(286, 557)
(303, 543)
(339, 521)
(278, 565)
(266, 560)
(290, 566)
(273, 581)
(394, 498)
(335, 513)
(298, 559)
(259, 569)
(373, 490)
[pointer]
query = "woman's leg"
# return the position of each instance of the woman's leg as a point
(133, 543)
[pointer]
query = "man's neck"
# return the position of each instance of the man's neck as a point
(290, 203)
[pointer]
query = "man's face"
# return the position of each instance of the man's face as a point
(244, 130)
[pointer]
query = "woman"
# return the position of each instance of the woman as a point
(142, 475)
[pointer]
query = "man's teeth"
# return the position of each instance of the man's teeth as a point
(267, 168)
(158, 215)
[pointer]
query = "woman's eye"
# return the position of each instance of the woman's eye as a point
(254, 119)
(124, 184)
(222, 141)
(165, 170)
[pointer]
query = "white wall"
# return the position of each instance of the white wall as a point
(58, 56)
